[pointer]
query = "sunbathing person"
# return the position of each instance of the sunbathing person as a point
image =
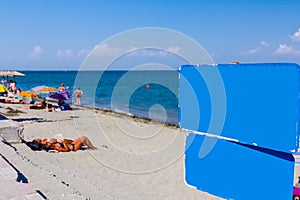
(65, 145)
(38, 105)
(26, 102)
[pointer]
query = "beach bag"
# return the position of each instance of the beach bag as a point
(65, 107)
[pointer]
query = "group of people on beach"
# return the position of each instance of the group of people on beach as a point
(51, 144)
(11, 85)
(13, 92)
(62, 145)
(78, 93)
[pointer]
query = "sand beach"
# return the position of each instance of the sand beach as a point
(136, 158)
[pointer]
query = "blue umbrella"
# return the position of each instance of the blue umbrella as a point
(61, 95)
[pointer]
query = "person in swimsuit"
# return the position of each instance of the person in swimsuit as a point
(78, 94)
(65, 145)
(62, 87)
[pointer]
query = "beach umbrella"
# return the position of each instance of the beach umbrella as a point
(3, 89)
(61, 95)
(15, 73)
(37, 87)
(4, 73)
(29, 96)
(11, 73)
(46, 90)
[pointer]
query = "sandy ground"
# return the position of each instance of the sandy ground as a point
(136, 159)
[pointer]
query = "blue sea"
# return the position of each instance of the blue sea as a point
(120, 91)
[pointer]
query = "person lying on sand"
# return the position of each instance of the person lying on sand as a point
(38, 105)
(65, 145)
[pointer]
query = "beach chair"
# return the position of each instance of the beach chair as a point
(10, 132)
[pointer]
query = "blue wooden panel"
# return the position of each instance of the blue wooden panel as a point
(261, 103)
(260, 111)
(236, 171)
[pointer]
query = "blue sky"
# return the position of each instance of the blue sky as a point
(58, 34)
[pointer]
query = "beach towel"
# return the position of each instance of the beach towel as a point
(36, 146)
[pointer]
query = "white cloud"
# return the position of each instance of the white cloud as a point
(153, 52)
(83, 53)
(106, 50)
(170, 50)
(144, 52)
(296, 35)
(285, 49)
(37, 51)
(262, 45)
(251, 51)
(174, 49)
(64, 53)
(150, 52)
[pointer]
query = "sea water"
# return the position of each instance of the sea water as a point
(144, 94)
